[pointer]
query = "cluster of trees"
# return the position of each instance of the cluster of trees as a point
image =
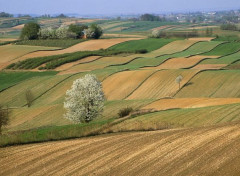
(32, 31)
(5, 15)
(150, 17)
(229, 26)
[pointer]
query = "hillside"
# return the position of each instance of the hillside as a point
(201, 151)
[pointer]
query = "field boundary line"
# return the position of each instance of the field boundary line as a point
(141, 84)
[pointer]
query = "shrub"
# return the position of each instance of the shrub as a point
(94, 31)
(141, 51)
(125, 112)
(47, 33)
(30, 31)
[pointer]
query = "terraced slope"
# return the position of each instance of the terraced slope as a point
(200, 151)
(224, 49)
(234, 66)
(15, 96)
(99, 64)
(165, 104)
(172, 50)
(83, 46)
(189, 117)
(177, 63)
(223, 60)
(37, 117)
(120, 85)
(172, 47)
(12, 52)
(162, 84)
(218, 84)
(81, 61)
(57, 94)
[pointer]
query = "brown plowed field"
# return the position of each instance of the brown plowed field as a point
(165, 104)
(90, 45)
(182, 152)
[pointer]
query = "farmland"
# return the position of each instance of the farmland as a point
(182, 93)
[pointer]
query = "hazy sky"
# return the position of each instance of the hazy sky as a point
(114, 6)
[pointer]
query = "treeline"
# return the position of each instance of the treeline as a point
(33, 31)
(230, 26)
(150, 17)
(5, 15)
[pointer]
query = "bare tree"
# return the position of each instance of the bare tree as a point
(29, 97)
(179, 80)
(4, 117)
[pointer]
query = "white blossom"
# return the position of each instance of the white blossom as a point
(85, 100)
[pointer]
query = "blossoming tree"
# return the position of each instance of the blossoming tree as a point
(85, 100)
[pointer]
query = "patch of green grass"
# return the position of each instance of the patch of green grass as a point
(149, 44)
(223, 60)
(8, 79)
(224, 49)
(52, 133)
(61, 43)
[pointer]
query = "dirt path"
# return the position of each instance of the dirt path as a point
(201, 151)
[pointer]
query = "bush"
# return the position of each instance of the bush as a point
(47, 33)
(94, 31)
(125, 112)
(77, 29)
(30, 31)
(141, 51)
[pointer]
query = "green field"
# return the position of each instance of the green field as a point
(223, 60)
(9, 79)
(224, 49)
(61, 43)
(148, 44)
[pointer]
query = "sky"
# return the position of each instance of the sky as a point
(93, 7)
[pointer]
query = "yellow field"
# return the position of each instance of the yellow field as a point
(173, 47)
(162, 84)
(120, 85)
(90, 45)
(10, 53)
(200, 151)
(165, 104)
(177, 63)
